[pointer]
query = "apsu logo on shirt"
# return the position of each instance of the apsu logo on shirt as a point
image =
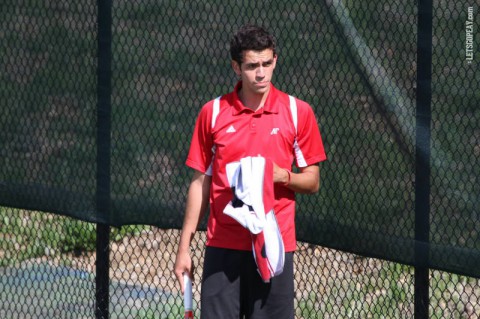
(274, 131)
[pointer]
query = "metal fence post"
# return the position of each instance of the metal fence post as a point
(102, 280)
(422, 157)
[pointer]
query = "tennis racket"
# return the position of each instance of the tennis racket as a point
(187, 297)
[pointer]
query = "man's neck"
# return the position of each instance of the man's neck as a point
(252, 101)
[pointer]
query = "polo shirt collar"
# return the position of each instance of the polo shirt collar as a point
(270, 106)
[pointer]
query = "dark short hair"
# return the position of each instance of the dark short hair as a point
(250, 37)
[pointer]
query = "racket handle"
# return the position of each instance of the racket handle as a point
(187, 297)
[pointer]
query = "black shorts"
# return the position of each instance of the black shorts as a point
(233, 289)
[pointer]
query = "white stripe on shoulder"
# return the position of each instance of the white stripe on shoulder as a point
(299, 155)
(216, 110)
(293, 110)
(298, 152)
(209, 171)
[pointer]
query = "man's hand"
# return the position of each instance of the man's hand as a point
(280, 175)
(197, 200)
(183, 264)
(307, 181)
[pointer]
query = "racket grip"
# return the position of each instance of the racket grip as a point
(187, 297)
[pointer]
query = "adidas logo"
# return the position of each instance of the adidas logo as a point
(231, 129)
(274, 131)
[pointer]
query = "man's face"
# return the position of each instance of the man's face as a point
(256, 70)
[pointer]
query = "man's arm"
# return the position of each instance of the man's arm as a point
(307, 181)
(197, 200)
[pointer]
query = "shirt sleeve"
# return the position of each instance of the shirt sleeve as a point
(201, 151)
(309, 148)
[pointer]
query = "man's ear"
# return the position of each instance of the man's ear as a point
(236, 68)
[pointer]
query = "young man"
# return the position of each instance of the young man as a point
(256, 119)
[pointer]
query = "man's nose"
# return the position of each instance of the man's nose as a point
(261, 71)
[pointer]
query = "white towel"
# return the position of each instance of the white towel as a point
(251, 180)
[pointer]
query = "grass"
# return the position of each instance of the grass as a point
(389, 293)
(386, 294)
(28, 234)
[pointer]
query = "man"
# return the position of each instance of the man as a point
(255, 119)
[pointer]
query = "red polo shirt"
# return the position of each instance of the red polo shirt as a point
(236, 132)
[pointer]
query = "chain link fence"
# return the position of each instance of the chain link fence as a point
(47, 273)
(98, 101)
